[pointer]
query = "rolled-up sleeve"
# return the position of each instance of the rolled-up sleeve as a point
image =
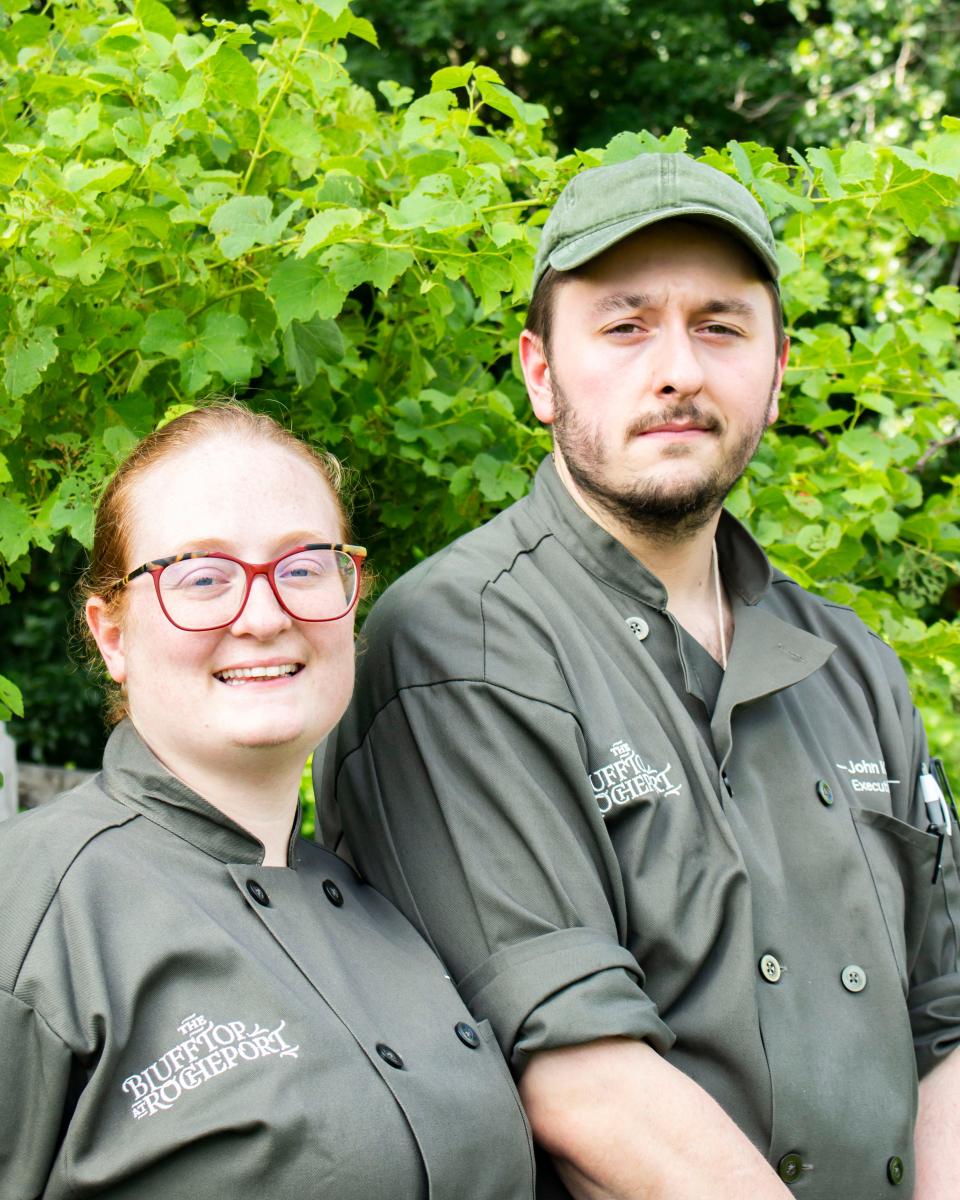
(470, 807)
(36, 1073)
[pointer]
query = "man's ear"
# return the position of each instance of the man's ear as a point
(536, 375)
(778, 381)
(108, 634)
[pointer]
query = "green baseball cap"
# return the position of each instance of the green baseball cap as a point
(603, 205)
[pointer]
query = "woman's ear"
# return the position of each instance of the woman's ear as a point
(107, 631)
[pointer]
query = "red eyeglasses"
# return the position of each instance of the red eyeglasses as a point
(200, 591)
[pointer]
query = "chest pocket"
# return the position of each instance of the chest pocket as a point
(901, 859)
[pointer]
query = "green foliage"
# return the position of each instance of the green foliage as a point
(779, 72)
(191, 212)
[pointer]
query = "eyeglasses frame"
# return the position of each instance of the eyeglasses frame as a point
(156, 567)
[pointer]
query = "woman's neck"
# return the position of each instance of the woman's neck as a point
(255, 786)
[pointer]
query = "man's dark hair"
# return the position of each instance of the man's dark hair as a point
(540, 313)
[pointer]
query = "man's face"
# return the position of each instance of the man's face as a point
(661, 375)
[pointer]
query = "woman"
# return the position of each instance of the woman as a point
(195, 1002)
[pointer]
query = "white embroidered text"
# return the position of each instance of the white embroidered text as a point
(628, 778)
(207, 1050)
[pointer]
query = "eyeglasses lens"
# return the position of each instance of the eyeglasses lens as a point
(204, 593)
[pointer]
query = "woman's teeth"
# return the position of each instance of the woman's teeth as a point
(235, 674)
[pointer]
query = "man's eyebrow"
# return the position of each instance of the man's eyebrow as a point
(730, 306)
(618, 302)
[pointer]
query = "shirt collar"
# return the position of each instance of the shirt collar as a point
(744, 565)
(133, 775)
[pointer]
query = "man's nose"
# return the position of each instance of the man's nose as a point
(262, 616)
(675, 365)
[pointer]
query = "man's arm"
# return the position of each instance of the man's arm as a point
(623, 1124)
(937, 1138)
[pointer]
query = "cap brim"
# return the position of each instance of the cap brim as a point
(582, 249)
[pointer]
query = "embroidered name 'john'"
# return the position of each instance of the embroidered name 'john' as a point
(207, 1051)
(628, 777)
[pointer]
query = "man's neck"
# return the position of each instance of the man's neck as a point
(684, 566)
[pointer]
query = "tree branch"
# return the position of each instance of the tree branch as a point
(932, 450)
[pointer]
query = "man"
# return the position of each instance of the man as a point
(663, 813)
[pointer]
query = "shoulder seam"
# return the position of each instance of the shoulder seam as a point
(41, 917)
(415, 687)
(505, 570)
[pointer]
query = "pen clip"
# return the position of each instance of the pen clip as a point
(938, 815)
(940, 774)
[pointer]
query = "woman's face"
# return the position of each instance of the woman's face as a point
(253, 500)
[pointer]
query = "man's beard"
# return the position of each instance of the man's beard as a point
(662, 511)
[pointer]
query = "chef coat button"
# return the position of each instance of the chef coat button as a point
(895, 1170)
(467, 1034)
(638, 627)
(789, 1168)
(853, 978)
(770, 969)
(825, 792)
(257, 892)
(389, 1055)
(726, 782)
(332, 893)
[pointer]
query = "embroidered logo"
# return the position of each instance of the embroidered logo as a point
(628, 778)
(205, 1051)
(867, 776)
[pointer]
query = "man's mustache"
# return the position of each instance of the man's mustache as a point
(688, 414)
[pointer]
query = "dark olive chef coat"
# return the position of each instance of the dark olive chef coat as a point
(605, 834)
(178, 1022)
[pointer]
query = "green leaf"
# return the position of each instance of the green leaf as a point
(218, 349)
(320, 228)
(243, 222)
(423, 113)
(353, 265)
(141, 139)
(74, 126)
(628, 145)
(333, 8)
(233, 77)
(15, 530)
(306, 345)
(119, 441)
(301, 289)
(11, 168)
(26, 358)
(857, 163)
(448, 78)
(433, 204)
(166, 332)
(887, 524)
(396, 95)
(11, 700)
(877, 403)
(296, 136)
(156, 17)
(73, 509)
(104, 175)
(865, 446)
